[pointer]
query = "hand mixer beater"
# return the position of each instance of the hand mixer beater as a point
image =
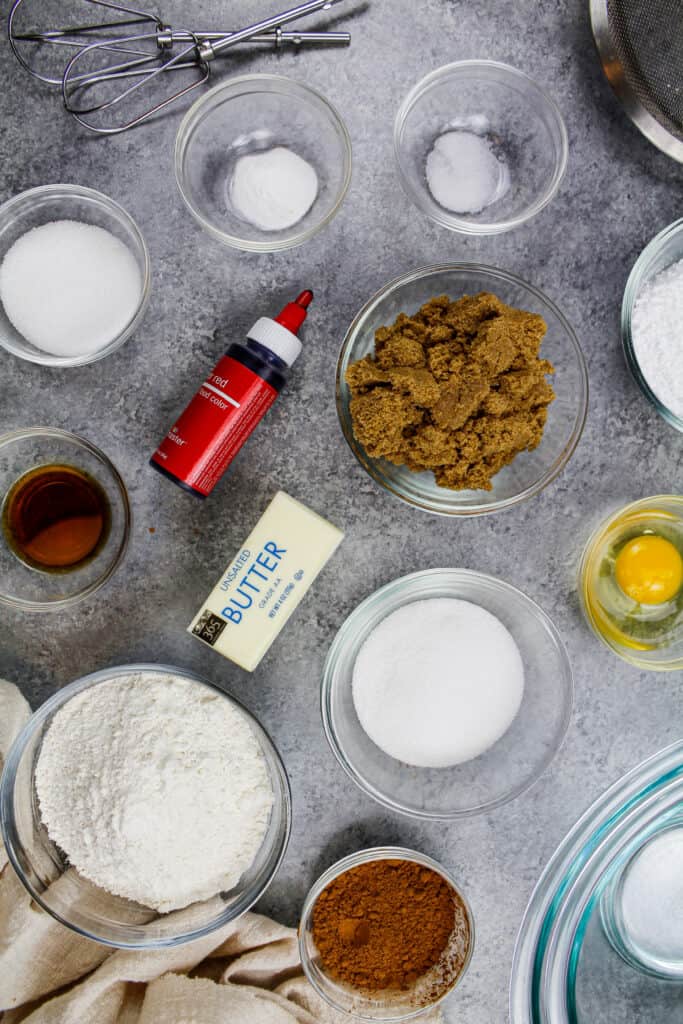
(113, 64)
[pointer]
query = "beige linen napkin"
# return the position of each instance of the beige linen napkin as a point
(248, 972)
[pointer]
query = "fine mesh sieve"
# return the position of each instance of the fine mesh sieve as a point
(641, 47)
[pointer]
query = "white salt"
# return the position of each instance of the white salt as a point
(273, 189)
(438, 682)
(652, 897)
(463, 172)
(70, 288)
(658, 338)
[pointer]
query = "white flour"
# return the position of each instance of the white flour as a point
(657, 338)
(155, 788)
(463, 173)
(273, 189)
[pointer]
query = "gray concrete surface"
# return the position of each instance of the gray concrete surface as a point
(618, 192)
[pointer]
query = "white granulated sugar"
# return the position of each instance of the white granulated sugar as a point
(273, 189)
(657, 333)
(438, 682)
(155, 788)
(70, 288)
(464, 174)
(652, 897)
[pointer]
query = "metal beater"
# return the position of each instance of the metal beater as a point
(106, 54)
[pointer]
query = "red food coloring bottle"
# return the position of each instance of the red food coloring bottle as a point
(231, 402)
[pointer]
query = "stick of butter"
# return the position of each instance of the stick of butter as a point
(266, 581)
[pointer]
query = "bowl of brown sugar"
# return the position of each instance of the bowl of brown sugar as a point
(385, 934)
(461, 389)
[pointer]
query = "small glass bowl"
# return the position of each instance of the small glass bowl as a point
(665, 249)
(488, 98)
(47, 203)
(512, 764)
(531, 471)
(83, 906)
(341, 997)
(252, 113)
(640, 516)
(30, 589)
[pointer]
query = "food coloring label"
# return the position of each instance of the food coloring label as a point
(202, 443)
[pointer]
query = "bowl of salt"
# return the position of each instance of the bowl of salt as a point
(74, 275)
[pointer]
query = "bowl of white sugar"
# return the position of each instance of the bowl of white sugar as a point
(144, 807)
(74, 275)
(446, 693)
(262, 162)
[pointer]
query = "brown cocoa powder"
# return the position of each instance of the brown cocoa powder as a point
(385, 924)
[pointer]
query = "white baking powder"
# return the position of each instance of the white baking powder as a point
(652, 897)
(464, 174)
(155, 788)
(70, 288)
(273, 189)
(658, 338)
(438, 682)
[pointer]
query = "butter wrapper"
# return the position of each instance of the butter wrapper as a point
(266, 581)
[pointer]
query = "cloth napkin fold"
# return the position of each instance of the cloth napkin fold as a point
(247, 972)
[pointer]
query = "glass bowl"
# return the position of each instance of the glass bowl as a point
(531, 471)
(83, 906)
(568, 966)
(339, 996)
(520, 121)
(30, 589)
(47, 203)
(512, 764)
(665, 249)
(661, 512)
(254, 113)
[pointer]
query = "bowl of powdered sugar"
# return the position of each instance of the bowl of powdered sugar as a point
(144, 807)
(262, 162)
(74, 275)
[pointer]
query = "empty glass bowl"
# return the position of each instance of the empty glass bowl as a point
(398, 1006)
(255, 113)
(531, 471)
(518, 121)
(83, 906)
(665, 249)
(28, 588)
(49, 203)
(512, 764)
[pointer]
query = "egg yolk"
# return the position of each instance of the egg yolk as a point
(649, 569)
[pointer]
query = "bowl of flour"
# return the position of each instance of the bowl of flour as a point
(144, 807)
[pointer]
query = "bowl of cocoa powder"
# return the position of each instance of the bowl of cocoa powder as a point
(461, 389)
(385, 934)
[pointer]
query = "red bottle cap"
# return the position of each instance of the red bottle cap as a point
(294, 313)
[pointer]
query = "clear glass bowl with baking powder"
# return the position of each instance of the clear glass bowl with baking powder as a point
(254, 113)
(665, 249)
(398, 1007)
(28, 589)
(519, 120)
(512, 764)
(530, 472)
(48, 203)
(89, 910)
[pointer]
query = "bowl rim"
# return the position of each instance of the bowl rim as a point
(284, 86)
(632, 291)
(23, 604)
(451, 220)
(70, 191)
(405, 584)
(353, 860)
(369, 464)
(58, 700)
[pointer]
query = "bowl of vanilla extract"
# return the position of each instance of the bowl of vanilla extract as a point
(65, 518)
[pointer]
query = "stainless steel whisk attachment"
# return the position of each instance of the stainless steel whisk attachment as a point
(110, 62)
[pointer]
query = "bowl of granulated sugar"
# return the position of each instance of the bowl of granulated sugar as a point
(144, 807)
(74, 275)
